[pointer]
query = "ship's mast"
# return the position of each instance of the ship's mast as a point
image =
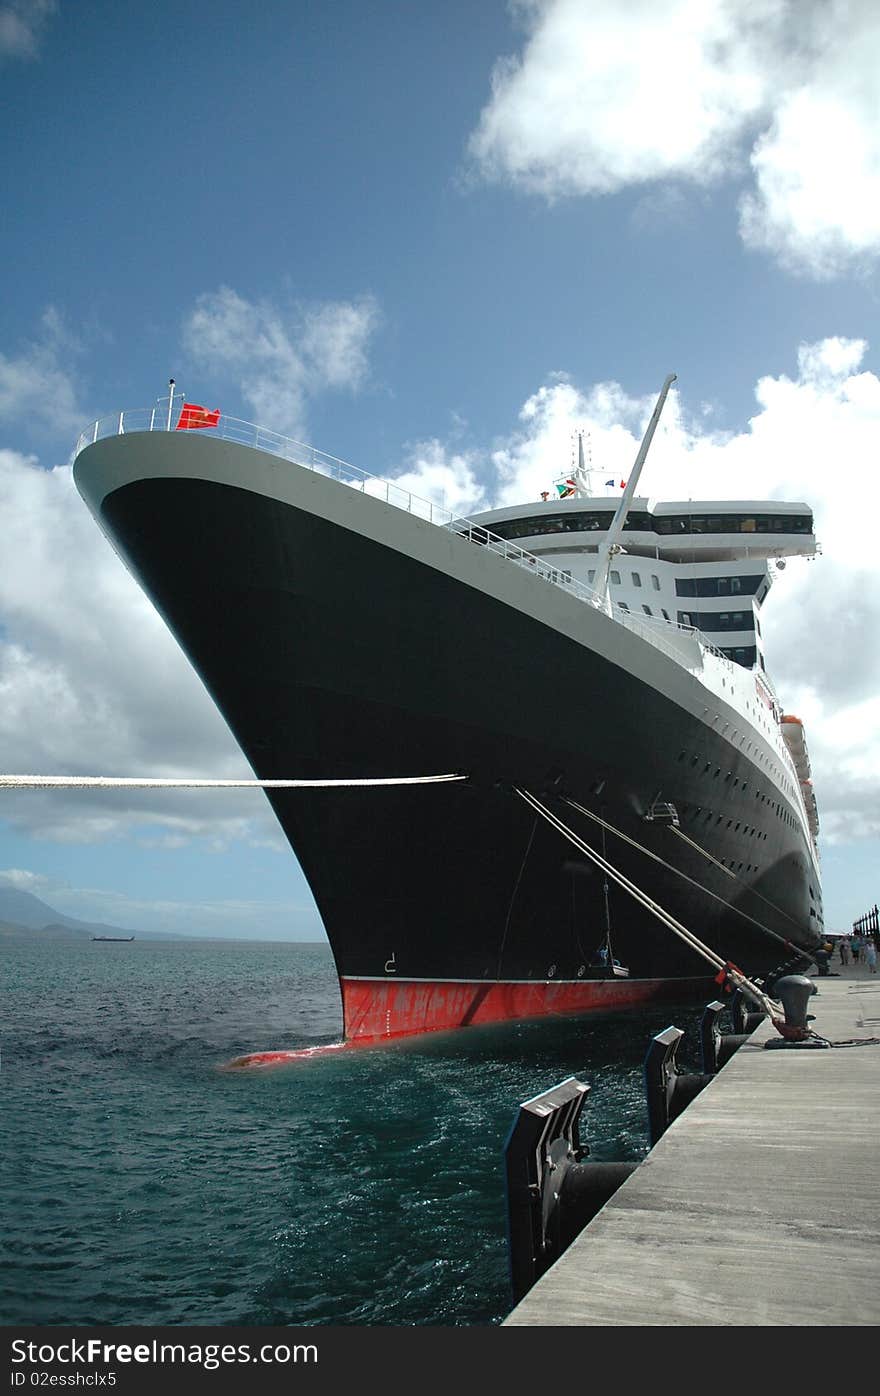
(581, 475)
(611, 545)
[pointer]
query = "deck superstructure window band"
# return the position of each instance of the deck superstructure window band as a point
(712, 621)
(734, 523)
(718, 586)
(640, 521)
(743, 654)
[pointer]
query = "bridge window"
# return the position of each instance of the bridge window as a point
(713, 621)
(717, 586)
(734, 523)
(742, 654)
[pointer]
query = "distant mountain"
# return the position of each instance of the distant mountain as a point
(10, 930)
(23, 913)
(24, 909)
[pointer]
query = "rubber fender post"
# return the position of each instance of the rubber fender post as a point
(667, 1090)
(745, 1017)
(543, 1143)
(717, 1048)
(551, 1193)
(585, 1189)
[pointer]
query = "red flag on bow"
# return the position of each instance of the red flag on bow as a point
(192, 416)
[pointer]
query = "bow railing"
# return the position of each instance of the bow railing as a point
(664, 635)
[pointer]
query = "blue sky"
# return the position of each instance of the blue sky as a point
(431, 239)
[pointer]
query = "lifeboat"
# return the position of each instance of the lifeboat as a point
(793, 734)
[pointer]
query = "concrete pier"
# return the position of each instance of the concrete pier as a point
(759, 1204)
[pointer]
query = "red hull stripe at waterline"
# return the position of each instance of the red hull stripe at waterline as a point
(381, 1009)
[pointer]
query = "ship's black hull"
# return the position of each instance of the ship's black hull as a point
(332, 656)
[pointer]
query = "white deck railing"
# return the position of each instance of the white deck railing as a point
(664, 635)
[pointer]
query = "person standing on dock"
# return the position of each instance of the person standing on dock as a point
(856, 947)
(871, 954)
(844, 951)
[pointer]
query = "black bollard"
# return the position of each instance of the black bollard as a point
(794, 993)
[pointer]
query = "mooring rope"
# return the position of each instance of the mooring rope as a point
(136, 783)
(736, 878)
(623, 881)
(670, 867)
(735, 975)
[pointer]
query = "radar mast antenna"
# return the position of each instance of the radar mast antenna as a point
(611, 545)
(581, 474)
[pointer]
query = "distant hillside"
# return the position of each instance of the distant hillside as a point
(22, 913)
(11, 930)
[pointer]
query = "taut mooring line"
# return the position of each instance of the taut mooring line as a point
(136, 783)
(734, 974)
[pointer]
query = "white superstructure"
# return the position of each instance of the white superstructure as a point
(696, 568)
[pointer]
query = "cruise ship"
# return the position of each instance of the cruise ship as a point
(530, 762)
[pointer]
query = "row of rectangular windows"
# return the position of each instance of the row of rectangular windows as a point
(735, 523)
(746, 655)
(717, 586)
(615, 578)
(718, 620)
(584, 522)
(647, 610)
(696, 586)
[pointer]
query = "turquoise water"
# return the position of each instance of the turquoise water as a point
(142, 1184)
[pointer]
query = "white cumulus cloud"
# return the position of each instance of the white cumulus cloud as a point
(91, 682)
(606, 96)
(21, 26)
(37, 385)
(813, 440)
(280, 358)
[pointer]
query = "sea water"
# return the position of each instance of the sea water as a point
(144, 1184)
